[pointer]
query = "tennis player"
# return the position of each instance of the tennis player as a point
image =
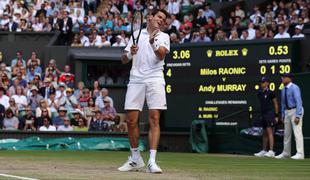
(146, 82)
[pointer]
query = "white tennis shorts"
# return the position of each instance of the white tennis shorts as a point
(154, 93)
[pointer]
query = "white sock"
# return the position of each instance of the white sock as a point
(135, 154)
(152, 155)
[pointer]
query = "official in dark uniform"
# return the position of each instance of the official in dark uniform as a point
(269, 117)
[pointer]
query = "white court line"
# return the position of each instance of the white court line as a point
(17, 177)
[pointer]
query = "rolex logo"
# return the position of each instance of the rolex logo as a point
(244, 51)
(209, 53)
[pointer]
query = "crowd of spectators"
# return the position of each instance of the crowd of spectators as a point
(36, 99)
(81, 23)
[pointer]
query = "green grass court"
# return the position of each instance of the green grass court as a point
(103, 165)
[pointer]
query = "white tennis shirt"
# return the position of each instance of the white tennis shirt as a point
(146, 66)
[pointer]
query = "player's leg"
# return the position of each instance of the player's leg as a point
(264, 139)
(133, 105)
(154, 132)
(299, 138)
(156, 101)
(270, 142)
(287, 136)
(133, 133)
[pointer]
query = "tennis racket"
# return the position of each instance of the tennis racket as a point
(136, 26)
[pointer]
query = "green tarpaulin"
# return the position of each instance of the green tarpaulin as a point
(68, 143)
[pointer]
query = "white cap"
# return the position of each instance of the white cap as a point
(299, 27)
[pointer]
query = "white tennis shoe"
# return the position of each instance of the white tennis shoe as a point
(131, 165)
(260, 153)
(270, 154)
(152, 167)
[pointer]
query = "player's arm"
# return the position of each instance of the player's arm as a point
(276, 107)
(160, 45)
(128, 55)
(125, 58)
(161, 52)
(129, 51)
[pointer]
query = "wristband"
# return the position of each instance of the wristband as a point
(276, 114)
(129, 55)
(154, 47)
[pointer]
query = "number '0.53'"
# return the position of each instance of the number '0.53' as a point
(181, 54)
(278, 50)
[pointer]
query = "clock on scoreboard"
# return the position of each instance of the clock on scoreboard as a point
(212, 81)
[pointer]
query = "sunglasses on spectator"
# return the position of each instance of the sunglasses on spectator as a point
(44, 111)
(106, 101)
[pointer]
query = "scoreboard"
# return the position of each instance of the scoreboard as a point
(214, 81)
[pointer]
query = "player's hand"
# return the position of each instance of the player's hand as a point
(276, 119)
(153, 35)
(296, 120)
(134, 49)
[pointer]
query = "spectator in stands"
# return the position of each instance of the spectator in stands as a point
(298, 32)
(281, 33)
(84, 39)
(47, 125)
(4, 99)
(11, 25)
(208, 12)
(108, 113)
(105, 79)
(69, 101)
(35, 99)
(43, 105)
(67, 71)
(41, 12)
(258, 34)
(54, 21)
(66, 126)
(239, 12)
(174, 38)
(81, 126)
(97, 123)
(270, 34)
(119, 42)
(96, 90)
(65, 26)
(251, 31)
(99, 100)
(244, 35)
(10, 121)
(68, 81)
(76, 42)
(104, 42)
(31, 74)
(20, 98)
(234, 35)
(51, 10)
(52, 69)
(202, 37)
(77, 115)
(27, 122)
(52, 102)
(89, 110)
(37, 26)
(83, 100)
(59, 120)
(2, 115)
(174, 7)
(220, 36)
(19, 57)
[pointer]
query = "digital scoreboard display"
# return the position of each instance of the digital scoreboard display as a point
(215, 81)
